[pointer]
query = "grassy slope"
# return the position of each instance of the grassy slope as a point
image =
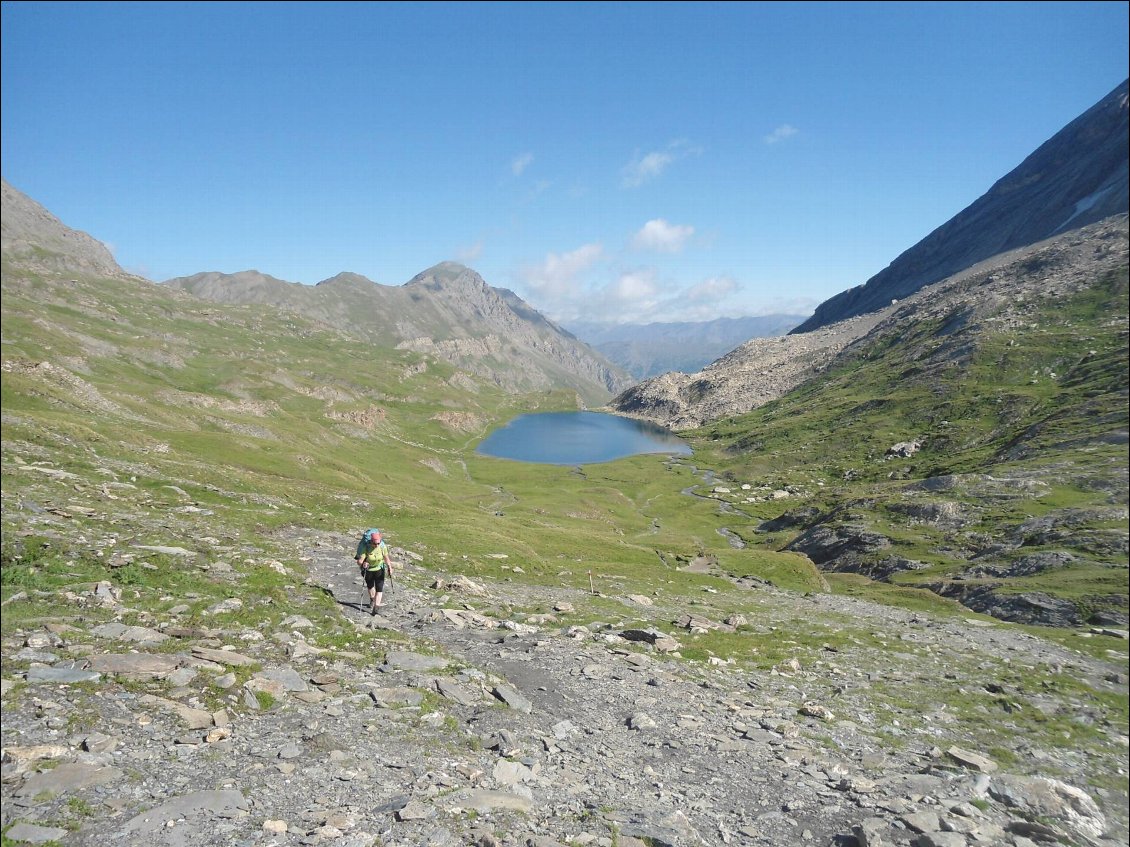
(1040, 406)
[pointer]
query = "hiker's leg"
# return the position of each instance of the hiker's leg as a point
(371, 584)
(379, 589)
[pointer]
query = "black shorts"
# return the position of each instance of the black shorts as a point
(375, 578)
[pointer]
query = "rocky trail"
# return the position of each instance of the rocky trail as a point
(480, 725)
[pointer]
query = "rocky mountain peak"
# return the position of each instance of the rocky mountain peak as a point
(347, 278)
(450, 276)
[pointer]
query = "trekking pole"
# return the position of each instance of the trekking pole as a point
(364, 593)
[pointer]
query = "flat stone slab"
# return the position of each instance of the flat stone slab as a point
(187, 806)
(31, 834)
(287, 677)
(224, 657)
(133, 634)
(41, 673)
(455, 692)
(407, 661)
(135, 665)
(192, 718)
(65, 779)
(512, 698)
(168, 551)
(488, 801)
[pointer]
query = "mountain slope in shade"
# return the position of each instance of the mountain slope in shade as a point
(34, 239)
(1077, 177)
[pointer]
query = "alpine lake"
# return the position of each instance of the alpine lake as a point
(578, 438)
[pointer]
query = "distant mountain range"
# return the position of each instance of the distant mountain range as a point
(447, 311)
(646, 350)
(1077, 177)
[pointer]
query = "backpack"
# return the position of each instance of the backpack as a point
(371, 536)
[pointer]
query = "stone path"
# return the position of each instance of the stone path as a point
(472, 727)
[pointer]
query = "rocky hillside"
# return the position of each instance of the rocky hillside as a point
(616, 655)
(973, 443)
(447, 311)
(33, 238)
(763, 370)
(751, 375)
(647, 350)
(1077, 177)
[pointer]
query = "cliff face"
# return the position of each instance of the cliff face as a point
(1077, 177)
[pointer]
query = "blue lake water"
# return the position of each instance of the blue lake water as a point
(578, 438)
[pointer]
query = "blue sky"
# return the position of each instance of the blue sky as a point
(606, 161)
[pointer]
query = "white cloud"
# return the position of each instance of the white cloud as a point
(520, 163)
(559, 275)
(712, 290)
(781, 133)
(662, 237)
(635, 289)
(650, 165)
(467, 255)
(645, 168)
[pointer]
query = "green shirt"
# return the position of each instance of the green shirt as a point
(374, 554)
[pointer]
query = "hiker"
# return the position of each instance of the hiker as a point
(375, 563)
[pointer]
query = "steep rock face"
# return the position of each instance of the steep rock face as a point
(35, 239)
(1077, 177)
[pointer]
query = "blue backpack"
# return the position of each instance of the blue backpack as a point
(370, 538)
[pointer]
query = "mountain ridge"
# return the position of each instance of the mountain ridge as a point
(763, 370)
(448, 311)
